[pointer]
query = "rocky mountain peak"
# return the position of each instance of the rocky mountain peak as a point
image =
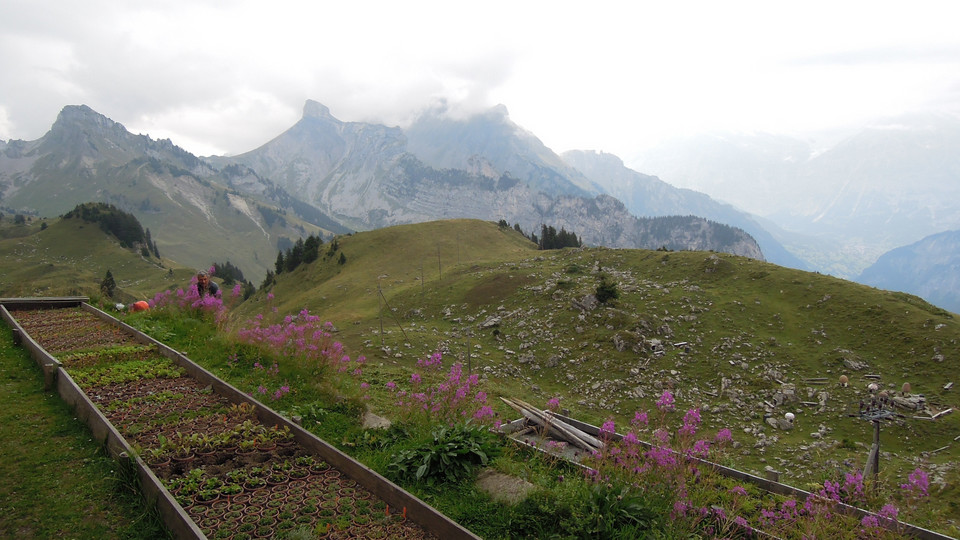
(73, 116)
(314, 109)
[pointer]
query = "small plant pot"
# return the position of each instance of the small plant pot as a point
(158, 463)
(277, 479)
(319, 467)
(270, 512)
(251, 519)
(233, 516)
(325, 513)
(184, 458)
(253, 484)
(305, 519)
(206, 497)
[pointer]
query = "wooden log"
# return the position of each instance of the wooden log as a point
(941, 413)
(574, 435)
(546, 424)
(590, 439)
(562, 428)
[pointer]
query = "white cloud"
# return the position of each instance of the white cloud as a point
(225, 76)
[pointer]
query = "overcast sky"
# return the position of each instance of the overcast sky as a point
(221, 76)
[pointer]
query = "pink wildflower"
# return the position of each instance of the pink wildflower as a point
(918, 483)
(665, 403)
(607, 429)
(553, 404)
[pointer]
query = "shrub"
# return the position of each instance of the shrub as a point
(452, 455)
(606, 290)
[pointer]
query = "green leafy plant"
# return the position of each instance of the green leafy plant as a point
(617, 509)
(451, 455)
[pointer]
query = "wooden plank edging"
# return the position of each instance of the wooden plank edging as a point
(432, 520)
(762, 483)
(173, 515)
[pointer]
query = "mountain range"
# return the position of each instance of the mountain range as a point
(835, 210)
(369, 176)
(345, 176)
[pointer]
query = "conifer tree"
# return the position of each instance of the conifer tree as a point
(108, 286)
(295, 255)
(311, 249)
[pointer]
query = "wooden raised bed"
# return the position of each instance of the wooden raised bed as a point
(136, 393)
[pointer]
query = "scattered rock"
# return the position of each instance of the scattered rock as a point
(502, 487)
(373, 421)
(491, 322)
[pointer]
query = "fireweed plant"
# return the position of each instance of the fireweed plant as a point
(190, 299)
(307, 342)
(703, 501)
(454, 398)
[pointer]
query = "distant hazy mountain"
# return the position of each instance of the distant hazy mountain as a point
(445, 143)
(194, 216)
(368, 176)
(929, 269)
(885, 186)
(646, 195)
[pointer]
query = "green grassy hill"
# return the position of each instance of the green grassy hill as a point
(71, 257)
(740, 338)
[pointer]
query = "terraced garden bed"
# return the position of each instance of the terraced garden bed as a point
(234, 468)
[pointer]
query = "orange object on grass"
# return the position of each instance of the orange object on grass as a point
(142, 305)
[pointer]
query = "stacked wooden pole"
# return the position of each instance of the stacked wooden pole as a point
(561, 429)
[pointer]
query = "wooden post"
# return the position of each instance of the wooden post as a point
(873, 460)
(380, 309)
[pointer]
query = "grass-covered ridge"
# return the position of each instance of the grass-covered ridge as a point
(721, 333)
(66, 257)
(748, 327)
